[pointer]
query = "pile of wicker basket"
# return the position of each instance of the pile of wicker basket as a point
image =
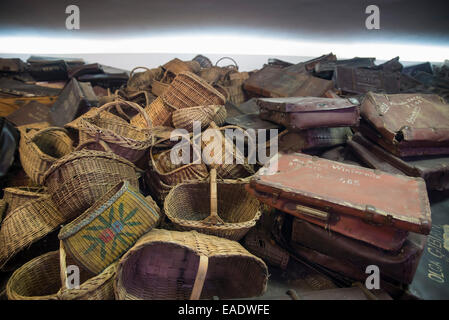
(102, 198)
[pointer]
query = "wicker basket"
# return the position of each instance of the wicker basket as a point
(176, 66)
(125, 139)
(3, 206)
(15, 197)
(263, 246)
(172, 174)
(198, 266)
(158, 189)
(160, 114)
(26, 225)
(230, 212)
(39, 149)
(142, 80)
(158, 88)
(79, 179)
(184, 118)
(111, 226)
(189, 90)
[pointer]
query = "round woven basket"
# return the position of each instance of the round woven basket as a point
(39, 149)
(106, 230)
(184, 118)
(26, 225)
(79, 179)
(190, 206)
(198, 267)
(124, 139)
(17, 196)
(189, 90)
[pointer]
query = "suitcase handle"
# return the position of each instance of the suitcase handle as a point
(322, 215)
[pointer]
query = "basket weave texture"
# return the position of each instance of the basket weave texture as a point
(17, 196)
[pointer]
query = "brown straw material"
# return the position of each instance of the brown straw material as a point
(188, 204)
(189, 90)
(142, 80)
(148, 272)
(184, 118)
(26, 225)
(3, 206)
(158, 88)
(159, 113)
(127, 140)
(17, 196)
(109, 228)
(79, 179)
(39, 149)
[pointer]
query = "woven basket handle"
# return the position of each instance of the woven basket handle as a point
(62, 265)
(100, 142)
(33, 136)
(214, 218)
(133, 105)
(200, 278)
(228, 58)
(136, 68)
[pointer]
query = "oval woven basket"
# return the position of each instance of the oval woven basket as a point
(189, 206)
(26, 225)
(79, 179)
(189, 90)
(39, 149)
(17, 196)
(198, 267)
(160, 114)
(109, 228)
(184, 118)
(125, 139)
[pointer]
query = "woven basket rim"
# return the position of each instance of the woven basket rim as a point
(86, 154)
(99, 206)
(25, 190)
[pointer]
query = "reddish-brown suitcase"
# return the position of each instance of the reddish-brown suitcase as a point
(407, 124)
(325, 190)
(299, 113)
(433, 169)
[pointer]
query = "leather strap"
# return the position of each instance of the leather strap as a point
(200, 278)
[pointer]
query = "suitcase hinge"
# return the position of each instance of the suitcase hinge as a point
(370, 211)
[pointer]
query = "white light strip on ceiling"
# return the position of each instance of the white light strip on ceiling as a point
(221, 44)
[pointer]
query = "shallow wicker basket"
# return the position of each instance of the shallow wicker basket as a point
(184, 118)
(160, 114)
(126, 140)
(39, 149)
(26, 225)
(224, 209)
(42, 279)
(189, 90)
(79, 179)
(17, 196)
(197, 266)
(111, 226)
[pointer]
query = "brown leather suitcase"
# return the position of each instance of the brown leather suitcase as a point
(299, 113)
(359, 80)
(14, 65)
(327, 191)
(433, 169)
(407, 124)
(31, 112)
(273, 81)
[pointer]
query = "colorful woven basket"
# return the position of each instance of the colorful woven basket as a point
(189, 90)
(109, 228)
(39, 149)
(79, 179)
(125, 139)
(17, 196)
(197, 266)
(223, 209)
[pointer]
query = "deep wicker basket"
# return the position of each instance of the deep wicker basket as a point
(195, 206)
(39, 149)
(189, 90)
(197, 266)
(3, 206)
(125, 139)
(79, 179)
(184, 118)
(17, 196)
(111, 226)
(142, 80)
(160, 114)
(158, 88)
(175, 66)
(26, 225)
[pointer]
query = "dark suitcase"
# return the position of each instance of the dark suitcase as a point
(326, 69)
(299, 113)
(75, 99)
(414, 69)
(407, 124)
(49, 70)
(13, 88)
(12, 65)
(360, 81)
(273, 81)
(9, 141)
(309, 66)
(433, 169)
(31, 112)
(326, 190)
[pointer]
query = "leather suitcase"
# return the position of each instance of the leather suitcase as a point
(12, 65)
(31, 112)
(326, 69)
(9, 141)
(433, 169)
(414, 69)
(299, 113)
(360, 81)
(49, 70)
(309, 66)
(329, 191)
(407, 124)
(75, 99)
(273, 81)
(16, 88)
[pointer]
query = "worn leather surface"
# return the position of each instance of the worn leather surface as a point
(9, 141)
